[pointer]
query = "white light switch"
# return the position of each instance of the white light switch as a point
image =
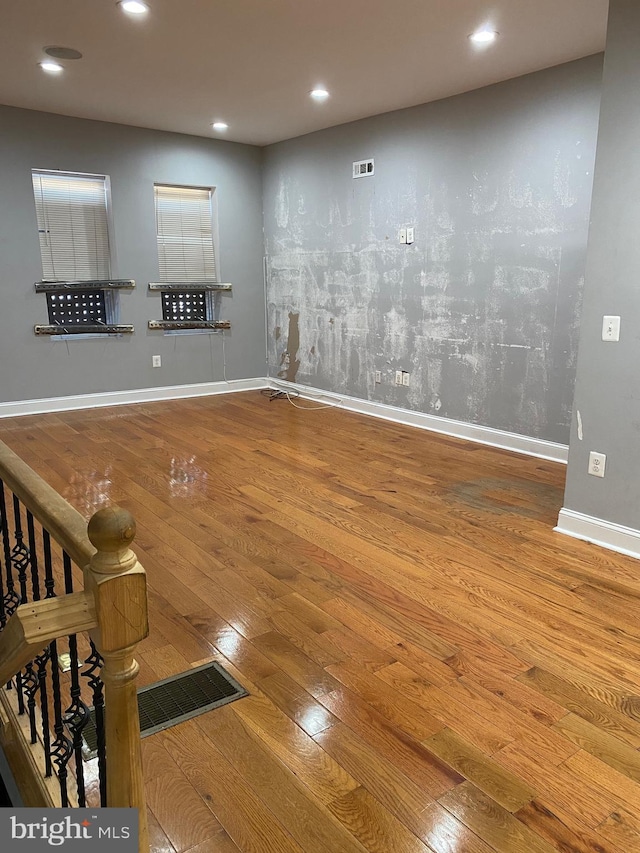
(610, 328)
(402, 235)
(410, 234)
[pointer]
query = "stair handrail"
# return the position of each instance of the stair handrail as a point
(64, 523)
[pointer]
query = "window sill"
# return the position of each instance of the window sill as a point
(180, 286)
(84, 331)
(98, 284)
(189, 325)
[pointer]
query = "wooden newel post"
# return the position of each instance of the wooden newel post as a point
(118, 583)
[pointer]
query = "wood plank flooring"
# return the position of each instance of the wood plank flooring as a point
(431, 668)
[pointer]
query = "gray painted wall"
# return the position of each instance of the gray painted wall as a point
(134, 159)
(607, 381)
(484, 308)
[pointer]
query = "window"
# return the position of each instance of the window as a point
(72, 225)
(186, 259)
(184, 225)
(73, 228)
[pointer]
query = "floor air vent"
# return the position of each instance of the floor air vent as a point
(174, 700)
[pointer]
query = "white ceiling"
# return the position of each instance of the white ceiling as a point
(252, 63)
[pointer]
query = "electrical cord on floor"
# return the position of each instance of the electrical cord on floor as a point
(275, 394)
(314, 408)
(282, 394)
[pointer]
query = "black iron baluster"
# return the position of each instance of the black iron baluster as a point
(41, 663)
(68, 574)
(29, 684)
(20, 561)
(44, 658)
(33, 553)
(20, 556)
(76, 717)
(95, 662)
(32, 680)
(62, 748)
(77, 714)
(5, 542)
(49, 580)
(11, 597)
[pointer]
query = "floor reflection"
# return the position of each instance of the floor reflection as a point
(89, 490)
(186, 478)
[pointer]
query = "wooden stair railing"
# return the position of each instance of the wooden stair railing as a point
(44, 741)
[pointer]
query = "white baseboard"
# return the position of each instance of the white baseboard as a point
(615, 537)
(122, 398)
(459, 429)
(472, 432)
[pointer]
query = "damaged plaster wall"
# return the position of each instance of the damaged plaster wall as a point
(483, 309)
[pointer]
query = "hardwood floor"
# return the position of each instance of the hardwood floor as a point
(431, 667)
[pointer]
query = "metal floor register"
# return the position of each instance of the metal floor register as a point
(174, 700)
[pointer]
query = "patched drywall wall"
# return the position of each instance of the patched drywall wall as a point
(483, 309)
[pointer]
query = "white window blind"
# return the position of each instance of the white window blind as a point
(184, 225)
(72, 225)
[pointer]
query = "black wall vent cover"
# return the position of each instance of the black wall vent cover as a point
(174, 700)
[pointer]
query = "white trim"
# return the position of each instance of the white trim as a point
(616, 537)
(472, 432)
(122, 398)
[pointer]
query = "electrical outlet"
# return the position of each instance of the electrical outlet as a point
(410, 234)
(405, 377)
(156, 361)
(597, 462)
(610, 328)
(398, 377)
(378, 377)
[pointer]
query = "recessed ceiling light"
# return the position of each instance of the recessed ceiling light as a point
(134, 7)
(483, 36)
(51, 67)
(319, 94)
(62, 52)
(220, 125)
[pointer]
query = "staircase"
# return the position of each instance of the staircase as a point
(73, 607)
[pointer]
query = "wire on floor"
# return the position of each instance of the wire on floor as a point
(274, 394)
(285, 393)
